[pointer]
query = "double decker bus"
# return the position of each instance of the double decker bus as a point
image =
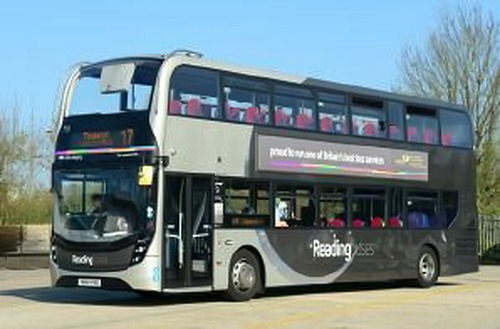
(175, 173)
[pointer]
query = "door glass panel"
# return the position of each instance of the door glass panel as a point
(175, 210)
(188, 232)
(201, 229)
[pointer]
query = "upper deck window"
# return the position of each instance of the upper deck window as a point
(212, 94)
(421, 125)
(88, 97)
(246, 100)
(194, 93)
(368, 118)
(455, 129)
(294, 107)
(396, 113)
(332, 113)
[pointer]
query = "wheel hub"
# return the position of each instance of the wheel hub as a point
(243, 275)
(427, 267)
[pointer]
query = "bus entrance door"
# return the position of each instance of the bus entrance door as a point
(188, 232)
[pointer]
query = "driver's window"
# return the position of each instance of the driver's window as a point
(72, 192)
(94, 192)
(81, 196)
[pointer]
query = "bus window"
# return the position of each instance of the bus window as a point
(294, 107)
(332, 116)
(395, 209)
(395, 120)
(368, 208)
(73, 202)
(194, 93)
(368, 118)
(295, 207)
(455, 129)
(246, 101)
(237, 198)
(246, 203)
(422, 210)
(262, 194)
(80, 195)
(450, 206)
(332, 208)
(421, 125)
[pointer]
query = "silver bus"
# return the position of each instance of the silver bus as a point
(175, 173)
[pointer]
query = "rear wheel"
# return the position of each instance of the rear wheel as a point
(427, 268)
(244, 276)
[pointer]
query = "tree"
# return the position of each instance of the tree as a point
(24, 168)
(460, 64)
(12, 144)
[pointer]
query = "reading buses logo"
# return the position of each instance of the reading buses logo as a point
(332, 249)
(336, 248)
(82, 260)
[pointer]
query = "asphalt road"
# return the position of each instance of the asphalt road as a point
(466, 301)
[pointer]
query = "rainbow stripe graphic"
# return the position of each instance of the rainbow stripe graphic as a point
(343, 170)
(106, 150)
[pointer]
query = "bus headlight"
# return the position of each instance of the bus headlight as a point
(140, 251)
(53, 253)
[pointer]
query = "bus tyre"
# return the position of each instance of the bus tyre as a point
(427, 268)
(244, 276)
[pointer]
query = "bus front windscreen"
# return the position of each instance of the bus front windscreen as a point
(102, 206)
(89, 95)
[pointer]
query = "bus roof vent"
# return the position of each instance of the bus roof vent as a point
(186, 52)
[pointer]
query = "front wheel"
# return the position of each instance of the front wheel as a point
(427, 267)
(244, 276)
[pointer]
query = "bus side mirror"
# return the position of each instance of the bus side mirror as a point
(145, 175)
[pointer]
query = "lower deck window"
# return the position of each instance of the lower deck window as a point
(368, 208)
(422, 210)
(294, 207)
(246, 203)
(332, 208)
(450, 206)
(395, 216)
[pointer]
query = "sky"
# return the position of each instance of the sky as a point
(355, 42)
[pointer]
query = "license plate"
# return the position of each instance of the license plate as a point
(94, 283)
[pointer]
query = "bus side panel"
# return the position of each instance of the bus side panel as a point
(280, 270)
(227, 242)
(201, 146)
(465, 232)
(301, 257)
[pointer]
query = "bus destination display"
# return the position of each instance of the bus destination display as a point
(108, 138)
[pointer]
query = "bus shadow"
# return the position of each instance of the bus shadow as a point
(130, 299)
(107, 298)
